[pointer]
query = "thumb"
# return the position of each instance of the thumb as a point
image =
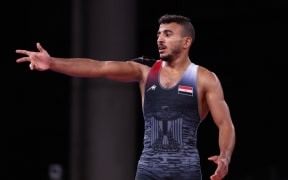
(39, 47)
(212, 158)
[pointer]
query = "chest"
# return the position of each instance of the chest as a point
(169, 79)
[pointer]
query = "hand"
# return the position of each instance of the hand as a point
(222, 168)
(38, 60)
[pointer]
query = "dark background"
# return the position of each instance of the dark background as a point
(246, 46)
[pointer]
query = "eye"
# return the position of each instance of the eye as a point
(168, 34)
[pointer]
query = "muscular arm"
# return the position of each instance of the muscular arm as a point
(214, 98)
(83, 67)
(221, 115)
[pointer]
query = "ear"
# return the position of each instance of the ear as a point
(187, 42)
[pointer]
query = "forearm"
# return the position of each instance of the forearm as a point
(226, 141)
(77, 67)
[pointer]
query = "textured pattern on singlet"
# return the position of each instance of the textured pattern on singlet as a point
(171, 120)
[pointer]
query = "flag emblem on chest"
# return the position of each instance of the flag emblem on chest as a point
(185, 90)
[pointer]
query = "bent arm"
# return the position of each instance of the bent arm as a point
(221, 116)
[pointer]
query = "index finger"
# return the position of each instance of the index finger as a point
(21, 51)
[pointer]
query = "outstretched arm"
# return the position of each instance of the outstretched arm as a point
(221, 115)
(82, 67)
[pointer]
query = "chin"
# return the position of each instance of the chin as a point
(164, 58)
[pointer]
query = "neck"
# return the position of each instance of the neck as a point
(177, 64)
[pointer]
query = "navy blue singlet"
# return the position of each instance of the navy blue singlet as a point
(171, 120)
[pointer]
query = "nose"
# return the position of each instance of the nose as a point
(159, 39)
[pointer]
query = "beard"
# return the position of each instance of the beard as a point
(174, 53)
(166, 58)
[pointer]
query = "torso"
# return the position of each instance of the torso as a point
(171, 121)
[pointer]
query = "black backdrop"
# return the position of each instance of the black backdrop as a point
(246, 47)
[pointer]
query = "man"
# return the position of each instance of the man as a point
(176, 96)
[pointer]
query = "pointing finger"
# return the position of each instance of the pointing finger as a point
(23, 59)
(20, 51)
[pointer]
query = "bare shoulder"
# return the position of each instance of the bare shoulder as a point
(206, 76)
(209, 90)
(142, 69)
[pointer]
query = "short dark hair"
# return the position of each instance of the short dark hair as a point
(179, 19)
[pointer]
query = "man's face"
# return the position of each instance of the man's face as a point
(169, 41)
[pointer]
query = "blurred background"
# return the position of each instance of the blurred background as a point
(56, 127)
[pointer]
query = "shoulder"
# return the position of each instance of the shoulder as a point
(207, 78)
(142, 69)
(140, 66)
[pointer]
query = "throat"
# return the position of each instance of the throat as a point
(168, 81)
(169, 76)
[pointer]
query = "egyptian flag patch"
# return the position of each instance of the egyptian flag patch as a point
(185, 90)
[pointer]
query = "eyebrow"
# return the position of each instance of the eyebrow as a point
(165, 31)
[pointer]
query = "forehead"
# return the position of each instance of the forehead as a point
(174, 27)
